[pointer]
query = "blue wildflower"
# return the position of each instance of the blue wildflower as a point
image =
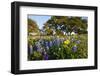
(46, 43)
(50, 43)
(74, 48)
(54, 42)
(30, 48)
(46, 57)
(78, 42)
(42, 42)
(57, 42)
(35, 47)
(39, 47)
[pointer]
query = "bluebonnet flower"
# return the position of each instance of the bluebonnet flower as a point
(40, 41)
(74, 48)
(47, 45)
(46, 57)
(30, 49)
(78, 42)
(35, 47)
(43, 52)
(50, 43)
(43, 43)
(56, 42)
(39, 47)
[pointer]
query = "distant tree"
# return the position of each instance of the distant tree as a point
(55, 24)
(66, 24)
(32, 26)
(78, 24)
(47, 29)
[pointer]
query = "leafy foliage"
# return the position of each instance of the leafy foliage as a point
(67, 24)
(32, 26)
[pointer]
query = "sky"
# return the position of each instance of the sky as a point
(41, 19)
(85, 18)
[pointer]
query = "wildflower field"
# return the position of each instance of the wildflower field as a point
(70, 47)
(54, 42)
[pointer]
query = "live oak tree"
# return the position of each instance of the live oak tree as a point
(56, 24)
(67, 24)
(78, 24)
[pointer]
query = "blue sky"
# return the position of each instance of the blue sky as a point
(39, 19)
(85, 18)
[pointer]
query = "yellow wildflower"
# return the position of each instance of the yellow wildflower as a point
(67, 42)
